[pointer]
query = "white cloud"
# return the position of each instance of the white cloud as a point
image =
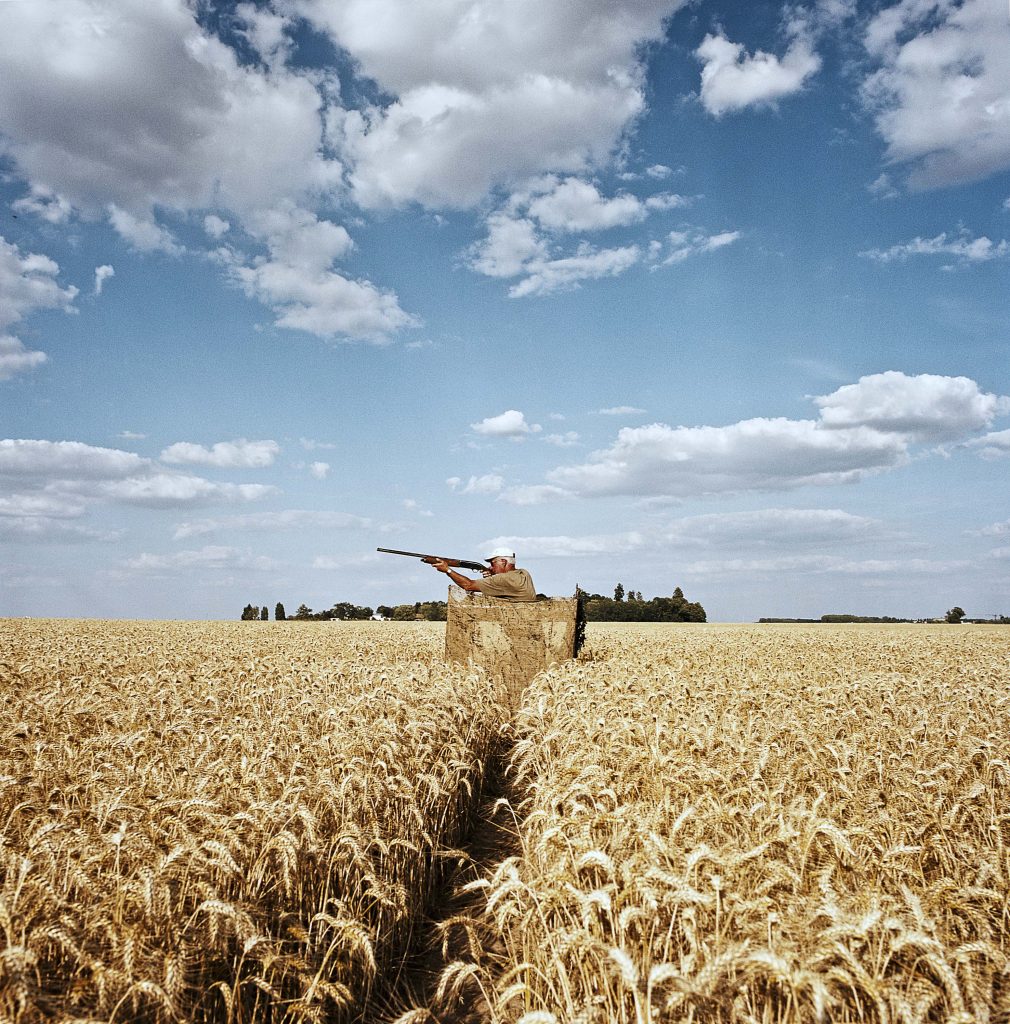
(319, 470)
(533, 494)
(16, 358)
(266, 32)
(215, 226)
(143, 232)
(771, 526)
(566, 440)
(48, 482)
(659, 171)
(824, 564)
(517, 243)
(992, 446)
(44, 506)
(223, 455)
(185, 127)
(863, 428)
(511, 244)
(548, 276)
(485, 94)
(681, 245)
(31, 459)
(575, 205)
(208, 557)
(27, 285)
(183, 124)
(941, 93)
(759, 528)
(44, 203)
(757, 454)
(882, 187)
(102, 274)
(288, 519)
(620, 410)
(733, 80)
(298, 282)
(568, 547)
(511, 423)
(926, 407)
(171, 490)
(489, 483)
(963, 248)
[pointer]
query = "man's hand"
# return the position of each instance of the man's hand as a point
(440, 564)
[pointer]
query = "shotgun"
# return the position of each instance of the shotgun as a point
(456, 563)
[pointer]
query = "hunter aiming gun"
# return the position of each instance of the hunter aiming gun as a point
(456, 563)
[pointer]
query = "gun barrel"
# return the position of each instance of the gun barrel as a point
(461, 563)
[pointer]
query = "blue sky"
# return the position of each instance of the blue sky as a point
(709, 295)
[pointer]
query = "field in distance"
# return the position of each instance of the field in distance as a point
(254, 821)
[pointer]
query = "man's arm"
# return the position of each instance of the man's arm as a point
(469, 585)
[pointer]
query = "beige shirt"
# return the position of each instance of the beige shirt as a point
(514, 585)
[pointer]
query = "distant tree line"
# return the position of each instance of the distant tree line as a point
(431, 611)
(954, 616)
(630, 606)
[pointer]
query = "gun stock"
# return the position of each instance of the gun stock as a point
(456, 563)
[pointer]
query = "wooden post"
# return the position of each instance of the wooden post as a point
(513, 639)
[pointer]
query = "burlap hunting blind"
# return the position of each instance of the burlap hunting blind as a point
(513, 639)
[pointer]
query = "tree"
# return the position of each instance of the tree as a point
(955, 615)
(279, 612)
(304, 612)
(250, 612)
(385, 610)
(264, 613)
(619, 592)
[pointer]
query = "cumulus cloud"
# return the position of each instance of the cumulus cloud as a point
(568, 439)
(484, 94)
(523, 237)
(16, 357)
(48, 482)
(926, 407)
(992, 446)
(208, 557)
(31, 459)
(732, 79)
(511, 423)
(571, 205)
(223, 455)
(962, 248)
(171, 490)
(320, 470)
(940, 94)
(297, 278)
(185, 127)
(757, 454)
(864, 428)
(27, 284)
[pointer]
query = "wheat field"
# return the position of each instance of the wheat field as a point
(256, 822)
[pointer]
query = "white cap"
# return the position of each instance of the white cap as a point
(501, 553)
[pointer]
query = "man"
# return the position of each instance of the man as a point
(502, 579)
